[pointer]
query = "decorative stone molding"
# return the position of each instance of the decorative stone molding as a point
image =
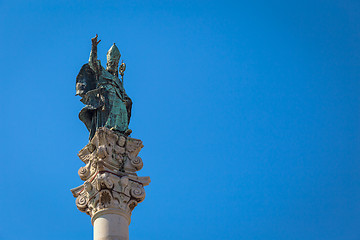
(111, 184)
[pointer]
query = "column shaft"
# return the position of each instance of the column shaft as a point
(111, 227)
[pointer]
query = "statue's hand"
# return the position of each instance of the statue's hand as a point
(94, 41)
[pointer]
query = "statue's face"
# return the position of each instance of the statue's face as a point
(112, 66)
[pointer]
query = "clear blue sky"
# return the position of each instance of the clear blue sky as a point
(249, 113)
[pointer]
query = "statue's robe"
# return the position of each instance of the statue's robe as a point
(107, 104)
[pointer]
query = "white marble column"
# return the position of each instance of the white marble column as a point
(111, 227)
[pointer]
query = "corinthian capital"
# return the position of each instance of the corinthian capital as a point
(111, 184)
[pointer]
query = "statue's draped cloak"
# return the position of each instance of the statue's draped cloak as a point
(107, 105)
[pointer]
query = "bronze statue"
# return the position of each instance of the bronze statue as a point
(103, 93)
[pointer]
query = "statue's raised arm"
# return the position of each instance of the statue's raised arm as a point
(93, 61)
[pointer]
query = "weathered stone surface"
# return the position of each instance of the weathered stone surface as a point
(111, 185)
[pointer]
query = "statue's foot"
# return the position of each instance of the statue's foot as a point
(128, 132)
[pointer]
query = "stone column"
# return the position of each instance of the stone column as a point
(111, 188)
(111, 226)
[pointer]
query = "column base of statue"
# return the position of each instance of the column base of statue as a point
(111, 188)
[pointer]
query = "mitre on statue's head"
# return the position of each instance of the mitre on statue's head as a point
(113, 54)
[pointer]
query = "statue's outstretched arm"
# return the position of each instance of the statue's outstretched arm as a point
(93, 62)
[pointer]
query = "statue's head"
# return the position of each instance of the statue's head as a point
(113, 58)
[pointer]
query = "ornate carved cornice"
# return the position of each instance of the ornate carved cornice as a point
(111, 184)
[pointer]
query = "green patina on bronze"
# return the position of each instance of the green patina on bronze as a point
(103, 93)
